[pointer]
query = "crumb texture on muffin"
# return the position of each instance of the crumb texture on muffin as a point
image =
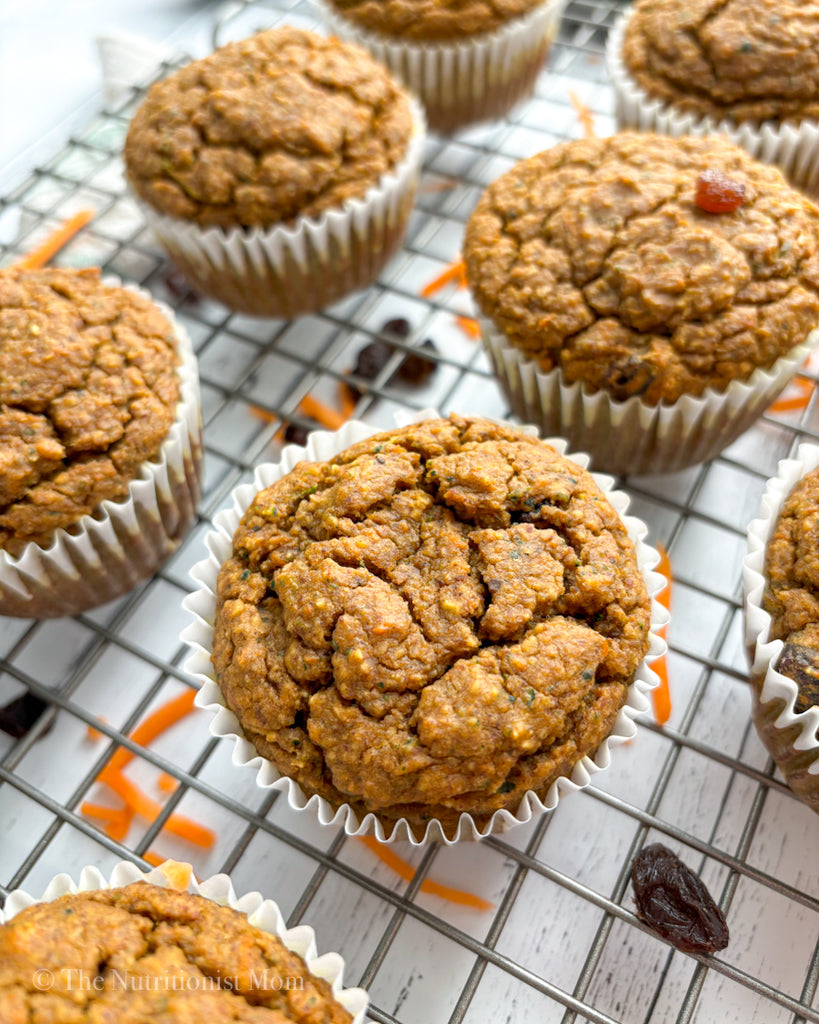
(595, 257)
(791, 595)
(141, 953)
(433, 20)
(88, 393)
(438, 620)
(746, 60)
(281, 125)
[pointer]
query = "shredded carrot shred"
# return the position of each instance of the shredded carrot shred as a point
(177, 873)
(137, 803)
(469, 325)
(346, 400)
(661, 695)
(55, 241)
(797, 402)
(407, 872)
(454, 272)
(153, 858)
(166, 783)
(584, 115)
(154, 725)
(322, 413)
(95, 734)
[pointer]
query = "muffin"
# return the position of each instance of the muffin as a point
(101, 449)
(781, 580)
(430, 630)
(646, 297)
(467, 60)
(278, 172)
(749, 68)
(142, 951)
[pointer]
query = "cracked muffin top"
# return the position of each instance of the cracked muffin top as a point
(88, 393)
(432, 20)
(746, 60)
(602, 257)
(791, 595)
(282, 125)
(142, 953)
(441, 618)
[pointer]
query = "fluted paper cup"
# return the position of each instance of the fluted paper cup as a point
(792, 145)
(790, 736)
(324, 445)
(631, 436)
(467, 80)
(106, 553)
(287, 270)
(261, 913)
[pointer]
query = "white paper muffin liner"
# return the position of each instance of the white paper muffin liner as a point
(284, 271)
(324, 445)
(792, 145)
(261, 913)
(106, 553)
(469, 80)
(631, 436)
(789, 735)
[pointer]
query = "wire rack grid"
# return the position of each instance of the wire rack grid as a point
(561, 942)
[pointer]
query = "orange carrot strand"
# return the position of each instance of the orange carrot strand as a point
(346, 400)
(796, 403)
(39, 256)
(321, 413)
(149, 809)
(584, 115)
(469, 325)
(407, 872)
(454, 272)
(153, 858)
(661, 694)
(166, 783)
(154, 725)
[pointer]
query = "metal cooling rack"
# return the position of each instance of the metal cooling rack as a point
(562, 943)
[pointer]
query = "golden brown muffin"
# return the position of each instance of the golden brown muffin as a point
(745, 60)
(143, 953)
(440, 619)
(791, 595)
(285, 124)
(603, 257)
(88, 393)
(424, 21)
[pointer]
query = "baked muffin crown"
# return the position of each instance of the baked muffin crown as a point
(746, 60)
(282, 125)
(438, 620)
(88, 393)
(432, 21)
(596, 256)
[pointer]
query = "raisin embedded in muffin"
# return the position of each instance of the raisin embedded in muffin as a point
(142, 952)
(436, 621)
(88, 393)
(791, 596)
(595, 257)
(745, 60)
(282, 125)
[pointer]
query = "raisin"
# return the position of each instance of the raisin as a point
(416, 367)
(20, 715)
(398, 327)
(294, 434)
(673, 901)
(717, 193)
(627, 377)
(801, 664)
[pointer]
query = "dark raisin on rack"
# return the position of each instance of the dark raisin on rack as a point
(717, 193)
(415, 368)
(673, 901)
(295, 434)
(20, 715)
